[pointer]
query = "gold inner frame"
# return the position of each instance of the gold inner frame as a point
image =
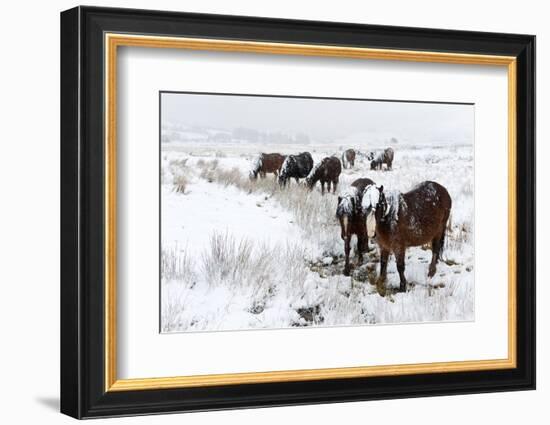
(113, 41)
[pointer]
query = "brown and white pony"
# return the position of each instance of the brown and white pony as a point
(352, 219)
(267, 163)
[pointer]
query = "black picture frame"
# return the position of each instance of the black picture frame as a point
(83, 392)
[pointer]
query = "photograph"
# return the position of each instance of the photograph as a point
(284, 211)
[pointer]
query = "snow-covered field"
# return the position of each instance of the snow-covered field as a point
(241, 254)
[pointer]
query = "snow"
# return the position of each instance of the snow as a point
(371, 196)
(248, 255)
(210, 207)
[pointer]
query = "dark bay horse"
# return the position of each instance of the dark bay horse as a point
(352, 220)
(385, 157)
(267, 163)
(400, 220)
(295, 166)
(348, 158)
(327, 171)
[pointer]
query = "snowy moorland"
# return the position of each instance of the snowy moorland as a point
(242, 254)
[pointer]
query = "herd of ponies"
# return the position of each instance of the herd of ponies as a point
(369, 211)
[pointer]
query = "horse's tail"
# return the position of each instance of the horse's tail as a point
(446, 227)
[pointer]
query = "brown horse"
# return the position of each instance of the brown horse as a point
(400, 220)
(385, 157)
(327, 171)
(348, 158)
(352, 220)
(267, 163)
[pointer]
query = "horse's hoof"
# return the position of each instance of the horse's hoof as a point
(346, 272)
(381, 286)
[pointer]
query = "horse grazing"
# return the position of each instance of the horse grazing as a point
(385, 157)
(352, 219)
(400, 220)
(327, 171)
(267, 163)
(348, 158)
(295, 166)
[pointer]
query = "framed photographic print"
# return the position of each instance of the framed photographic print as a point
(261, 212)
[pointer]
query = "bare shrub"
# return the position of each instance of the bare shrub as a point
(178, 274)
(225, 259)
(467, 188)
(177, 264)
(181, 174)
(232, 263)
(172, 309)
(180, 183)
(229, 177)
(295, 271)
(259, 271)
(178, 164)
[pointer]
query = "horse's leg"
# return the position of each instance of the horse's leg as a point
(400, 259)
(381, 282)
(323, 188)
(334, 184)
(346, 252)
(361, 245)
(297, 180)
(436, 246)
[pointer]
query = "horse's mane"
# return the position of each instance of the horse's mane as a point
(345, 206)
(258, 162)
(286, 164)
(380, 157)
(394, 203)
(315, 168)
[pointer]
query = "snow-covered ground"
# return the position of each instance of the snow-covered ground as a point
(241, 254)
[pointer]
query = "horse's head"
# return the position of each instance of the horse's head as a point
(312, 176)
(256, 167)
(345, 211)
(373, 206)
(346, 205)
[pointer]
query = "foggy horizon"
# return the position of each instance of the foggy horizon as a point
(324, 119)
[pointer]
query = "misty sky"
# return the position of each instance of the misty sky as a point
(416, 123)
